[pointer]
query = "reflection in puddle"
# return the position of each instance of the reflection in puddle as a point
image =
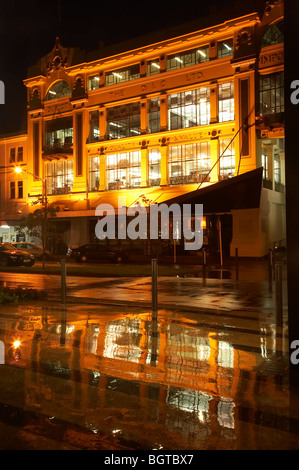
(164, 382)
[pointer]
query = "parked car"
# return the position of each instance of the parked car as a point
(34, 250)
(95, 252)
(9, 255)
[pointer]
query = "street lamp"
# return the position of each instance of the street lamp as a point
(19, 170)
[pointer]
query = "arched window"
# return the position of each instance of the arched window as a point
(274, 34)
(60, 89)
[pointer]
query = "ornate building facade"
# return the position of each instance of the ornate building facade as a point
(154, 123)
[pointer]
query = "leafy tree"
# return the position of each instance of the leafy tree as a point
(39, 224)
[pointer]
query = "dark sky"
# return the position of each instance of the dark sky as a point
(28, 30)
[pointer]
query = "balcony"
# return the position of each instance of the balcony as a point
(58, 149)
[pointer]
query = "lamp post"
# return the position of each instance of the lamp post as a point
(19, 170)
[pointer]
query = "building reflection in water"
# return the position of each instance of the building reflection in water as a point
(111, 374)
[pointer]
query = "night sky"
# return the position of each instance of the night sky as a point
(28, 30)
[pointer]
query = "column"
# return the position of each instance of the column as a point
(214, 143)
(144, 167)
(164, 166)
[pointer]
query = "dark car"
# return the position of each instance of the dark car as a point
(11, 256)
(94, 252)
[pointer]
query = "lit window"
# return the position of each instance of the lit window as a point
(189, 163)
(154, 167)
(123, 170)
(59, 177)
(152, 67)
(123, 121)
(94, 126)
(93, 82)
(226, 102)
(189, 109)
(94, 173)
(153, 115)
(122, 75)
(60, 89)
(227, 160)
(59, 132)
(225, 48)
(187, 58)
(272, 93)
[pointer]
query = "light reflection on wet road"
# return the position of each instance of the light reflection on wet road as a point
(100, 378)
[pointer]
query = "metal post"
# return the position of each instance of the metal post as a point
(237, 263)
(63, 281)
(273, 261)
(154, 286)
(204, 262)
(278, 295)
(270, 268)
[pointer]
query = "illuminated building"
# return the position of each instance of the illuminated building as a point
(154, 123)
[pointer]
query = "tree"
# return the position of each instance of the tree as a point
(39, 224)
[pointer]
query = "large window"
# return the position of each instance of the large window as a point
(154, 167)
(187, 58)
(152, 67)
(153, 115)
(227, 160)
(189, 163)
(94, 126)
(273, 35)
(93, 82)
(94, 173)
(226, 102)
(225, 48)
(59, 177)
(189, 109)
(272, 93)
(59, 132)
(122, 75)
(60, 89)
(123, 170)
(123, 121)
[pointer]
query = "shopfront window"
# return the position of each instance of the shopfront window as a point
(59, 177)
(187, 58)
(189, 163)
(272, 93)
(226, 102)
(154, 167)
(122, 75)
(94, 173)
(153, 115)
(189, 109)
(123, 170)
(123, 121)
(227, 160)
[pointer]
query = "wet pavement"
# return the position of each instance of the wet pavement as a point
(209, 371)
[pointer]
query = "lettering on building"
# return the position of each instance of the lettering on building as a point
(274, 58)
(274, 133)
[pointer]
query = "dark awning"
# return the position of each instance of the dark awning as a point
(238, 192)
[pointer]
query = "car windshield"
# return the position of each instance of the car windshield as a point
(6, 246)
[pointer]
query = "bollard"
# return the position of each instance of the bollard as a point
(154, 286)
(237, 263)
(270, 268)
(63, 281)
(278, 295)
(204, 263)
